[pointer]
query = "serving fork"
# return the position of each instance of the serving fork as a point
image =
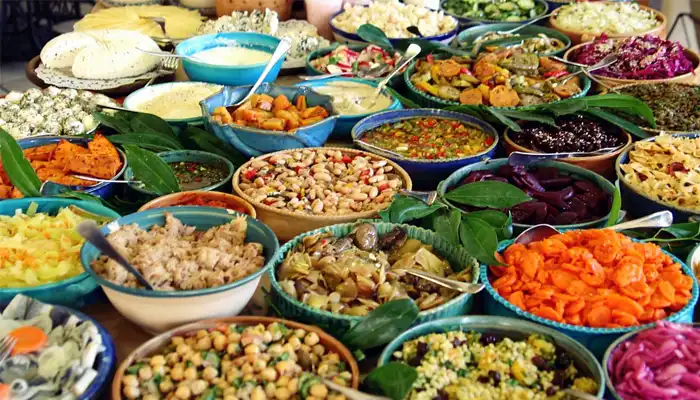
(6, 345)
(167, 66)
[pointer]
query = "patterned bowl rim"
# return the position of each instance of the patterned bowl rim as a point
(261, 43)
(623, 181)
(466, 20)
(333, 218)
(289, 246)
(410, 113)
(585, 329)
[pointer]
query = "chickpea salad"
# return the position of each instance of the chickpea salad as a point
(460, 365)
(239, 362)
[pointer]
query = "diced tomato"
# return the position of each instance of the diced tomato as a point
(351, 53)
(414, 138)
(555, 74)
(250, 174)
(456, 124)
(365, 173)
(383, 187)
(431, 123)
(465, 70)
(441, 154)
(489, 141)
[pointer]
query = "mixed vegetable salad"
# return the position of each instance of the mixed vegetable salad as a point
(495, 10)
(344, 59)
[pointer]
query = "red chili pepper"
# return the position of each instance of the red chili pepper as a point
(383, 187)
(489, 141)
(346, 160)
(269, 201)
(351, 52)
(430, 58)
(555, 74)
(363, 63)
(431, 123)
(414, 138)
(251, 173)
(465, 70)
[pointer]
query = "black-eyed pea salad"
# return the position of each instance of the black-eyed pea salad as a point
(234, 362)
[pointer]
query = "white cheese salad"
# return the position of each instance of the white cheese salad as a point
(606, 17)
(394, 17)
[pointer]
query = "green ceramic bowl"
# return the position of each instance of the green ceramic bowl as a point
(569, 169)
(338, 324)
(426, 100)
(465, 39)
(515, 329)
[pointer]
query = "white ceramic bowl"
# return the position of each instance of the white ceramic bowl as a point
(158, 311)
(135, 100)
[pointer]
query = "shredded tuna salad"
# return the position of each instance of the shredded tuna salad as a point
(177, 257)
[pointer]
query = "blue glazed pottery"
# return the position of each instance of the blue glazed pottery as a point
(426, 173)
(187, 156)
(136, 99)
(693, 262)
(453, 181)
(228, 74)
(597, 340)
(73, 292)
(254, 142)
(160, 310)
(347, 37)
(639, 204)
(104, 189)
(515, 329)
(105, 363)
(465, 39)
(469, 22)
(345, 123)
(337, 324)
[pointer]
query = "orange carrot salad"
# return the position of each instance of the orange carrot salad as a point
(596, 278)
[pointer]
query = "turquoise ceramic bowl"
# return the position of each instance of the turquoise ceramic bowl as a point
(569, 169)
(254, 142)
(72, 292)
(338, 324)
(693, 262)
(597, 340)
(465, 39)
(515, 329)
(345, 123)
(426, 100)
(358, 47)
(187, 156)
(228, 75)
(468, 21)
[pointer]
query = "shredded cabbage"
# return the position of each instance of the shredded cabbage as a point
(604, 17)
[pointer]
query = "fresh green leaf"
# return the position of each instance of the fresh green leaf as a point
(70, 194)
(686, 230)
(628, 104)
(502, 118)
(118, 121)
(480, 240)
(446, 224)
(405, 101)
(17, 168)
(489, 194)
(151, 170)
(149, 123)
(207, 142)
(621, 123)
(428, 47)
(151, 141)
(405, 208)
(382, 325)
(616, 205)
(528, 116)
(371, 34)
(393, 379)
(502, 223)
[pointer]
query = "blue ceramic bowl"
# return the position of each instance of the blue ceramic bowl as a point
(104, 189)
(639, 204)
(187, 156)
(73, 292)
(515, 329)
(348, 37)
(228, 75)
(426, 173)
(597, 340)
(569, 169)
(466, 21)
(105, 364)
(338, 324)
(345, 123)
(253, 142)
(160, 310)
(135, 100)
(465, 39)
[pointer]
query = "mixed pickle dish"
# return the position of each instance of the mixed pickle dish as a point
(539, 43)
(676, 106)
(507, 78)
(613, 18)
(355, 274)
(344, 59)
(498, 10)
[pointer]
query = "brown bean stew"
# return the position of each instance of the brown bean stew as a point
(193, 175)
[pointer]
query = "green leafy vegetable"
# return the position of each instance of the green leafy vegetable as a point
(622, 123)
(393, 379)
(447, 225)
(208, 142)
(489, 194)
(382, 325)
(479, 239)
(151, 141)
(149, 123)
(502, 223)
(371, 34)
(18, 169)
(616, 205)
(404, 208)
(118, 121)
(151, 170)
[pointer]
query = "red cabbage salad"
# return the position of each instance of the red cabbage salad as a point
(640, 57)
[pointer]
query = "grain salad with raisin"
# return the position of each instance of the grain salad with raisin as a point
(460, 365)
(239, 362)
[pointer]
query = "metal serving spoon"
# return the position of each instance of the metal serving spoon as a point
(91, 179)
(426, 197)
(411, 53)
(464, 287)
(525, 159)
(165, 54)
(517, 28)
(661, 219)
(578, 395)
(281, 50)
(351, 394)
(92, 234)
(372, 73)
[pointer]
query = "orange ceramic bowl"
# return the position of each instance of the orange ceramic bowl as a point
(162, 340)
(232, 202)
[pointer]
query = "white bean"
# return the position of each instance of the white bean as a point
(376, 178)
(358, 196)
(322, 176)
(258, 164)
(373, 192)
(259, 182)
(317, 206)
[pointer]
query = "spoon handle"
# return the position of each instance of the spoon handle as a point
(281, 50)
(463, 287)
(411, 52)
(352, 394)
(661, 219)
(426, 197)
(91, 233)
(540, 18)
(322, 77)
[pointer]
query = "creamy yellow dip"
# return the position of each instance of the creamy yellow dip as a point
(353, 98)
(181, 102)
(232, 56)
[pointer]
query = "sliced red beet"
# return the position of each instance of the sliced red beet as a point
(586, 186)
(566, 218)
(556, 183)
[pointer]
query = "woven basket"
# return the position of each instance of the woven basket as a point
(283, 7)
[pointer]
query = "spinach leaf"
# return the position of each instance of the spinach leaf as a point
(394, 379)
(446, 224)
(18, 169)
(149, 123)
(150, 169)
(371, 34)
(479, 239)
(496, 113)
(501, 222)
(616, 205)
(404, 208)
(382, 325)
(119, 121)
(150, 141)
(489, 194)
(210, 143)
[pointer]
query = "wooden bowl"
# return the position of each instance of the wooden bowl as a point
(287, 224)
(160, 341)
(182, 198)
(578, 37)
(690, 77)
(603, 164)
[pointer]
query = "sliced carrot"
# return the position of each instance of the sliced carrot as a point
(517, 299)
(667, 290)
(625, 304)
(532, 302)
(599, 317)
(548, 313)
(624, 319)
(505, 280)
(579, 288)
(564, 297)
(575, 307)
(574, 319)
(29, 339)
(562, 279)
(544, 293)
(659, 301)
(4, 391)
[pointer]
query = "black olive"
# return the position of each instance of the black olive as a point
(568, 382)
(540, 363)
(562, 361)
(415, 361)
(559, 378)
(552, 390)
(456, 343)
(442, 395)
(421, 349)
(487, 339)
(484, 379)
(495, 376)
